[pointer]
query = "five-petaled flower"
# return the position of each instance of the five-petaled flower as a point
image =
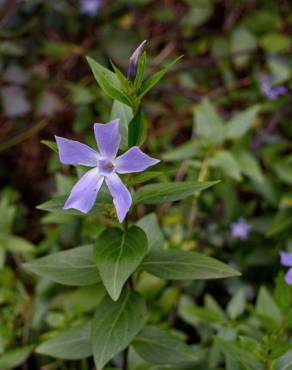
(90, 7)
(240, 229)
(106, 167)
(286, 260)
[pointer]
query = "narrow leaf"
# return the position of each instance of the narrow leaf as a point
(178, 264)
(108, 81)
(154, 79)
(71, 344)
(241, 123)
(161, 348)
(137, 129)
(14, 357)
(72, 267)
(169, 191)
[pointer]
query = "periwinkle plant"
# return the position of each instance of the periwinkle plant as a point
(113, 262)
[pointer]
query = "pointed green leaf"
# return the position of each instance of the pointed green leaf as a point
(14, 357)
(118, 255)
(108, 81)
(51, 144)
(152, 230)
(161, 348)
(190, 149)
(249, 166)
(72, 267)
(208, 123)
(225, 160)
(154, 79)
(140, 71)
(137, 129)
(178, 264)
(144, 176)
(115, 325)
(236, 305)
(122, 78)
(241, 123)
(71, 344)
(266, 306)
(169, 191)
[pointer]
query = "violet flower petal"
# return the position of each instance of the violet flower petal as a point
(85, 191)
(73, 152)
(108, 138)
(121, 196)
(285, 259)
(288, 277)
(134, 160)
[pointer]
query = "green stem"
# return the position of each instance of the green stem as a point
(201, 177)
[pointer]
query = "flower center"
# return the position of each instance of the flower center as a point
(106, 166)
(109, 165)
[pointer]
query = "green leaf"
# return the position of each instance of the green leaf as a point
(284, 362)
(249, 166)
(198, 14)
(108, 82)
(145, 176)
(236, 305)
(275, 42)
(74, 267)
(118, 255)
(241, 123)
(17, 244)
(247, 359)
(137, 129)
(14, 357)
(225, 160)
(178, 265)
(140, 71)
(266, 306)
(122, 78)
(161, 348)
(283, 292)
(154, 79)
(70, 344)
(243, 43)
(152, 230)
(281, 222)
(169, 191)
(208, 123)
(124, 113)
(115, 325)
(51, 144)
(204, 314)
(187, 150)
(283, 170)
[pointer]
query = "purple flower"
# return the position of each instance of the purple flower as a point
(240, 229)
(106, 165)
(272, 93)
(90, 7)
(134, 60)
(286, 260)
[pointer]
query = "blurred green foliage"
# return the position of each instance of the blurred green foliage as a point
(207, 119)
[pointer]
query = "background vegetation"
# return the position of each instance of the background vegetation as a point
(222, 112)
